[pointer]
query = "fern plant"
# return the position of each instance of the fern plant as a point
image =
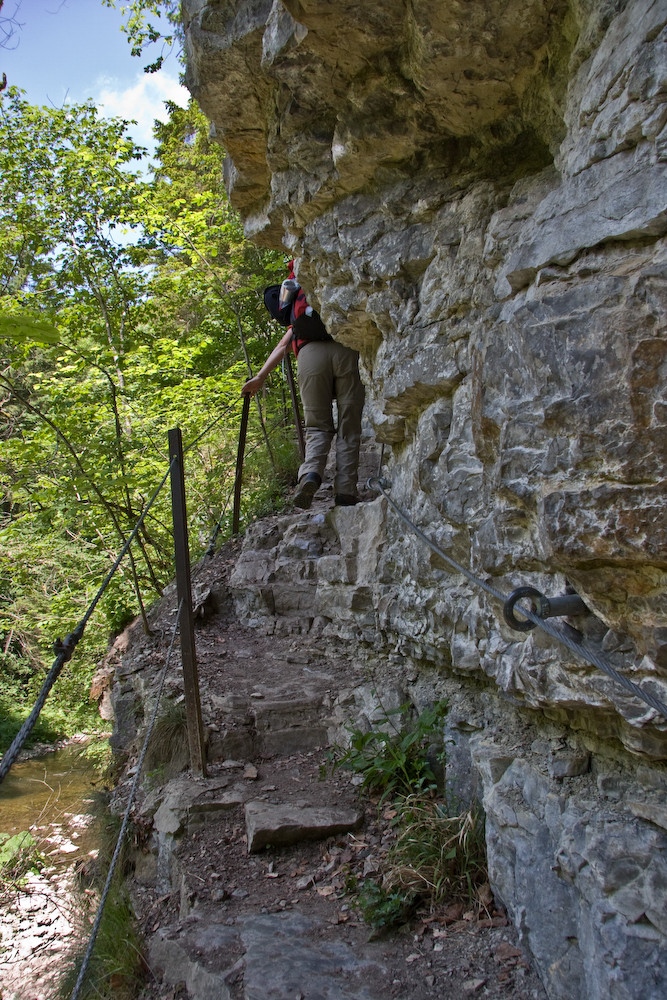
(398, 760)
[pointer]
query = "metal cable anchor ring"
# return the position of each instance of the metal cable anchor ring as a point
(540, 606)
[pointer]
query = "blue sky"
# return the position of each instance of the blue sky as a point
(65, 51)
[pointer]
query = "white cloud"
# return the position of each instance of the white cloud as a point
(141, 101)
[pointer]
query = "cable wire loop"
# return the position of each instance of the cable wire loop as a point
(65, 647)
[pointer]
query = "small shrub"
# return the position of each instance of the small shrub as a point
(436, 858)
(397, 761)
(439, 853)
(381, 908)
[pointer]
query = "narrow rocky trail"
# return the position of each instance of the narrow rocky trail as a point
(243, 878)
(255, 904)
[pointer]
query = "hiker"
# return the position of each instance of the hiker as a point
(326, 371)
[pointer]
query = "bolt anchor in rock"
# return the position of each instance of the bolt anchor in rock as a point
(568, 605)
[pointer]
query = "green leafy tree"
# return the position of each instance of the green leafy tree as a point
(201, 245)
(150, 23)
(129, 305)
(66, 209)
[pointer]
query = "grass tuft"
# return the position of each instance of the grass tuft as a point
(438, 854)
(117, 969)
(167, 752)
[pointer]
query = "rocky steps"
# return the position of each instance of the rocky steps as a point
(291, 648)
(241, 878)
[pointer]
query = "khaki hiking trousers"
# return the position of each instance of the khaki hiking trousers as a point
(328, 370)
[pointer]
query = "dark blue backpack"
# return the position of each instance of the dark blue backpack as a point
(306, 327)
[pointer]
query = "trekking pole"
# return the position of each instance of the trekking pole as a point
(239, 464)
(295, 408)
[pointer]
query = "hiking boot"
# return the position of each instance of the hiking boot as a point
(345, 500)
(306, 489)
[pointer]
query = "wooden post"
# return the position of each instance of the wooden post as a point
(236, 515)
(185, 619)
(295, 407)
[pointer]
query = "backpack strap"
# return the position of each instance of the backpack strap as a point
(306, 323)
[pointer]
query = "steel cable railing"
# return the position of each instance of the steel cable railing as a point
(64, 648)
(124, 825)
(579, 649)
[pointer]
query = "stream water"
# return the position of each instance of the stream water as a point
(52, 797)
(44, 792)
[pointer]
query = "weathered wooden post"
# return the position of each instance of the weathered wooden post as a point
(238, 481)
(295, 407)
(185, 619)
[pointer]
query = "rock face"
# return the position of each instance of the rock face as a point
(476, 197)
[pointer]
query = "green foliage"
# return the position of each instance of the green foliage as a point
(98, 753)
(117, 968)
(143, 33)
(156, 299)
(28, 328)
(58, 719)
(66, 196)
(397, 760)
(39, 601)
(438, 854)
(381, 909)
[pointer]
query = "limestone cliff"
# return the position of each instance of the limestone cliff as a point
(476, 197)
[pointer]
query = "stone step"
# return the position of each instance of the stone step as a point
(277, 955)
(282, 825)
(186, 801)
(274, 725)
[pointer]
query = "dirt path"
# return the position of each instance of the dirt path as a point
(280, 922)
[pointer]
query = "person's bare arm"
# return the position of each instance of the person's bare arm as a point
(254, 384)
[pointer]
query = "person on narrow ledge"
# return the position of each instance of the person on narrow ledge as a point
(326, 371)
